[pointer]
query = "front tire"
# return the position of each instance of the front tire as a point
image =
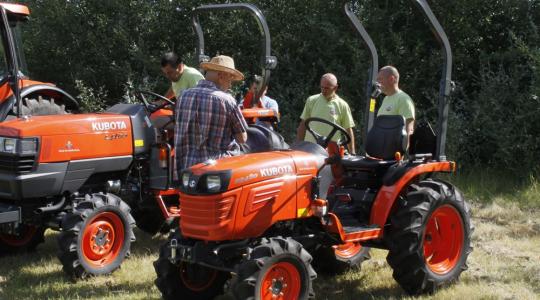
(430, 237)
(186, 280)
(279, 268)
(96, 236)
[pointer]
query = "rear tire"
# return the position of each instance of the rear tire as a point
(430, 237)
(28, 239)
(278, 268)
(186, 280)
(96, 236)
(339, 259)
(42, 107)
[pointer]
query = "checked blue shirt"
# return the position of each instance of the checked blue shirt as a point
(206, 121)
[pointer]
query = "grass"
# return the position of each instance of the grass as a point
(505, 263)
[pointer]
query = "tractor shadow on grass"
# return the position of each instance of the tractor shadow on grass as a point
(39, 275)
(329, 287)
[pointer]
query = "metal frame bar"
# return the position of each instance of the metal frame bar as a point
(268, 61)
(13, 62)
(371, 84)
(446, 84)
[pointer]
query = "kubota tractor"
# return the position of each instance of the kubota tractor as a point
(39, 98)
(254, 224)
(91, 176)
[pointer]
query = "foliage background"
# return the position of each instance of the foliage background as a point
(95, 48)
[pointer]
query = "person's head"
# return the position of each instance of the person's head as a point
(172, 66)
(388, 78)
(329, 85)
(256, 83)
(221, 71)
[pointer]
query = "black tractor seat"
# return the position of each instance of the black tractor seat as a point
(386, 137)
(365, 163)
(261, 139)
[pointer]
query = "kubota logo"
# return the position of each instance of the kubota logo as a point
(102, 126)
(274, 171)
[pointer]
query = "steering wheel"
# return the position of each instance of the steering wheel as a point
(149, 106)
(324, 140)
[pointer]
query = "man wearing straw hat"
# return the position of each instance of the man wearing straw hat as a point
(209, 124)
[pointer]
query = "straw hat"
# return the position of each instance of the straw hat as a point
(222, 63)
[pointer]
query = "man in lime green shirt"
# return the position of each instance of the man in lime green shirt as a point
(396, 102)
(181, 76)
(329, 106)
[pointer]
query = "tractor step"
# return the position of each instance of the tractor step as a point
(359, 228)
(351, 225)
(9, 213)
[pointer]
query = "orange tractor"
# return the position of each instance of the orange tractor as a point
(40, 98)
(253, 226)
(90, 176)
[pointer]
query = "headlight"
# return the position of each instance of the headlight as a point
(19, 146)
(206, 183)
(28, 146)
(213, 183)
(9, 145)
(185, 179)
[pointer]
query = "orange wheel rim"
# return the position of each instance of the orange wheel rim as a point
(103, 239)
(197, 279)
(27, 234)
(281, 281)
(347, 250)
(443, 239)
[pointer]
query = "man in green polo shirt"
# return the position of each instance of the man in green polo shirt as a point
(329, 106)
(396, 102)
(181, 76)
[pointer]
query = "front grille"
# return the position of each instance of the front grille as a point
(17, 163)
(209, 218)
(208, 212)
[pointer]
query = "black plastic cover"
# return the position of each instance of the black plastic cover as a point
(143, 131)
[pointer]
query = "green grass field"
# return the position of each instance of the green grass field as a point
(505, 263)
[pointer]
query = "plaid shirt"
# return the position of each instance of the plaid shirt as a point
(206, 121)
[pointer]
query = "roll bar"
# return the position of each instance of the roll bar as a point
(446, 84)
(12, 62)
(372, 90)
(268, 61)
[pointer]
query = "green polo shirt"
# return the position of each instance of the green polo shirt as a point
(398, 104)
(190, 77)
(336, 111)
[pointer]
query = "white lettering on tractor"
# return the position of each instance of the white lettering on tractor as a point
(275, 171)
(103, 126)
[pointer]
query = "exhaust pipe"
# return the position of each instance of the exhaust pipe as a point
(51, 208)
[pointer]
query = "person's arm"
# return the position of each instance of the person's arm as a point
(301, 131)
(238, 123)
(352, 149)
(410, 126)
(272, 104)
(346, 121)
(306, 114)
(170, 93)
(241, 137)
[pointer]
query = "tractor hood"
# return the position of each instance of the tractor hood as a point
(233, 172)
(71, 137)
